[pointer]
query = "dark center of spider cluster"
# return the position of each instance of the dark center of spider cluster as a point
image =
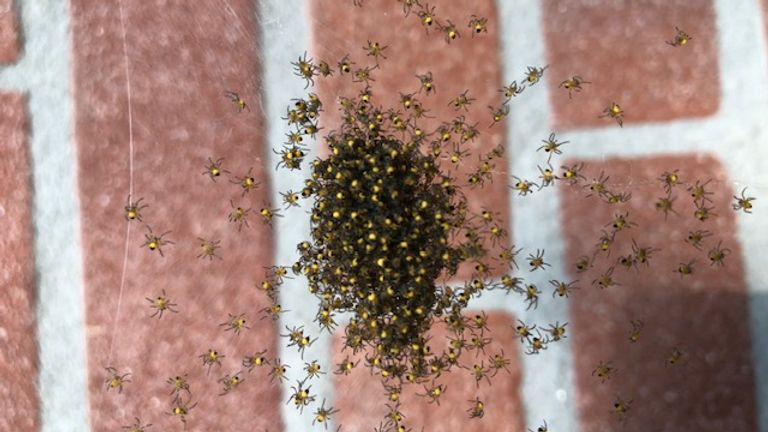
(382, 221)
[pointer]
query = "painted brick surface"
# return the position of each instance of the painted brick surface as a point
(619, 47)
(18, 356)
(703, 315)
(10, 37)
(172, 119)
(149, 83)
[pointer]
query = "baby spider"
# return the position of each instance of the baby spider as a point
(278, 273)
(477, 410)
(509, 284)
(603, 371)
(462, 101)
(408, 5)
(676, 357)
(524, 331)
(670, 179)
(621, 222)
(557, 331)
(301, 396)
(290, 198)
(304, 68)
(542, 428)
(323, 414)
(363, 75)
(156, 242)
(210, 358)
(583, 264)
(637, 328)
(703, 213)
(427, 83)
(534, 74)
(615, 112)
(717, 254)
(478, 25)
(181, 410)
(536, 344)
(552, 146)
(230, 382)
(208, 249)
(278, 371)
(236, 323)
(696, 237)
(426, 15)
(324, 69)
(664, 204)
(547, 176)
(115, 380)
(573, 84)
(499, 362)
(247, 182)
(626, 261)
(699, 193)
(621, 408)
(255, 360)
(531, 296)
(302, 343)
(237, 100)
(523, 187)
(537, 261)
(597, 186)
(563, 289)
(433, 393)
(685, 269)
(743, 202)
(498, 114)
(133, 209)
(273, 311)
(178, 383)
(606, 241)
(238, 215)
(479, 372)
(161, 304)
(572, 173)
(137, 426)
(267, 214)
(376, 50)
(345, 66)
(616, 198)
(642, 254)
(680, 39)
(345, 367)
(213, 168)
(450, 31)
(512, 90)
(480, 321)
(313, 369)
(605, 280)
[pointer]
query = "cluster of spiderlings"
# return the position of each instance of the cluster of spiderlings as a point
(381, 229)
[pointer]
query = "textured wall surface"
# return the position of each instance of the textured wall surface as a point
(102, 102)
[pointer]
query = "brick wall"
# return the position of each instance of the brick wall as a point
(127, 97)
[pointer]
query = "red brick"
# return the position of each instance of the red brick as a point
(619, 47)
(362, 398)
(10, 38)
(19, 403)
(705, 315)
(179, 71)
(468, 63)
